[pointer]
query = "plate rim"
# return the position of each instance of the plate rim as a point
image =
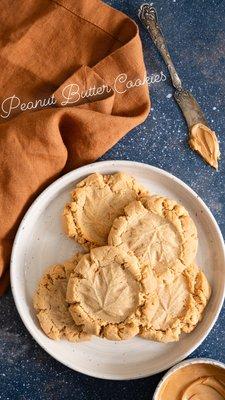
(87, 168)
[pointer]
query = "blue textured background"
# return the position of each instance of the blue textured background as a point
(195, 30)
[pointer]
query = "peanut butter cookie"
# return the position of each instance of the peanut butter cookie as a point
(96, 202)
(176, 306)
(51, 306)
(159, 232)
(105, 293)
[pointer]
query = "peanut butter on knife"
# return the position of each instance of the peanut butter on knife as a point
(204, 141)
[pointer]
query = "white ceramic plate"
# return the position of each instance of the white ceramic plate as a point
(40, 242)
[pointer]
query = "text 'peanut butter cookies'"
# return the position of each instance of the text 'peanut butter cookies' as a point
(96, 202)
(159, 232)
(51, 306)
(105, 292)
(175, 307)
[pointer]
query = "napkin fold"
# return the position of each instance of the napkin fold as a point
(72, 84)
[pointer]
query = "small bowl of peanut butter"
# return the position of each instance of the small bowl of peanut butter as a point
(194, 379)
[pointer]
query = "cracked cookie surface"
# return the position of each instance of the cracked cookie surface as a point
(96, 202)
(159, 232)
(176, 306)
(105, 292)
(50, 303)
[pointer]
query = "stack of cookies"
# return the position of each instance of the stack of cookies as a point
(136, 275)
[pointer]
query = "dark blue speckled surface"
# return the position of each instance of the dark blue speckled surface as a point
(195, 30)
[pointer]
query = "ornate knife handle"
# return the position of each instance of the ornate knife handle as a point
(148, 16)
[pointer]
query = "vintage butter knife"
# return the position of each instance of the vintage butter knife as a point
(201, 137)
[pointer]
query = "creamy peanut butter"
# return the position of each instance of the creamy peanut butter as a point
(195, 382)
(205, 142)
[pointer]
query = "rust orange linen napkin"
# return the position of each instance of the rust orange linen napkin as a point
(72, 84)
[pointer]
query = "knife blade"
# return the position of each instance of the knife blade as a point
(201, 138)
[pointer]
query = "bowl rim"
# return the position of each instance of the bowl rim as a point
(183, 364)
